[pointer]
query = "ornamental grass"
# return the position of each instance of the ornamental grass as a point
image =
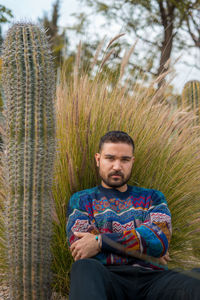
(167, 156)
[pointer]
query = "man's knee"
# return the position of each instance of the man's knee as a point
(89, 280)
(86, 267)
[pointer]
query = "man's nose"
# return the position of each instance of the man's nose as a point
(117, 165)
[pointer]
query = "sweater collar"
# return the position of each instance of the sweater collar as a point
(114, 192)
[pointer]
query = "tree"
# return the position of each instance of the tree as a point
(57, 39)
(158, 23)
(5, 13)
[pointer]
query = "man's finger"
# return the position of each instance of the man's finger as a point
(77, 256)
(162, 261)
(74, 252)
(74, 244)
(80, 234)
(73, 247)
(167, 257)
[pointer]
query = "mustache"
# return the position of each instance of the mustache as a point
(116, 173)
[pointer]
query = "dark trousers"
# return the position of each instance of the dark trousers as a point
(90, 280)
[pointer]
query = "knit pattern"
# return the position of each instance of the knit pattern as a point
(138, 219)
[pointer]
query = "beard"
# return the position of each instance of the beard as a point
(115, 182)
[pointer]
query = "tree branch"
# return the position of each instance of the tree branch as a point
(142, 38)
(162, 13)
(196, 39)
(190, 65)
(141, 69)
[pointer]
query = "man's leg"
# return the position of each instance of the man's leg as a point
(175, 285)
(143, 284)
(91, 280)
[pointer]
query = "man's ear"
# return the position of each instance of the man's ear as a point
(97, 158)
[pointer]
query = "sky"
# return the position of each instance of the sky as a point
(30, 10)
(27, 10)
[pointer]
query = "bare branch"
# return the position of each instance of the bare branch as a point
(142, 38)
(140, 68)
(195, 38)
(190, 65)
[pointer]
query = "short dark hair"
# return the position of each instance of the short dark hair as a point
(116, 137)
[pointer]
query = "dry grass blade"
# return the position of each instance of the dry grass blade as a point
(77, 65)
(114, 39)
(53, 211)
(161, 76)
(99, 48)
(167, 64)
(178, 58)
(126, 59)
(107, 57)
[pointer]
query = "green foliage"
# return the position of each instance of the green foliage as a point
(29, 87)
(4, 14)
(191, 98)
(167, 157)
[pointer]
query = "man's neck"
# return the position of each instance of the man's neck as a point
(122, 188)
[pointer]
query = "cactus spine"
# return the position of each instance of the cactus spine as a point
(191, 97)
(29, 88)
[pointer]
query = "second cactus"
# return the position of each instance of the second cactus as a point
(29, 89)
(191, 98)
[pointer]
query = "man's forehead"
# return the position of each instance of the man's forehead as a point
(121, 149)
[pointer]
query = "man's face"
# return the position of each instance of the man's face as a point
(115, 164)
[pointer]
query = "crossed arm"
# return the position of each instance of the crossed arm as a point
(86, 246)
(151, 238)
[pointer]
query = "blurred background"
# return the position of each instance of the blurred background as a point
(163, 29)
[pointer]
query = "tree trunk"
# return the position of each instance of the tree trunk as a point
(167, 17)
(166, 49)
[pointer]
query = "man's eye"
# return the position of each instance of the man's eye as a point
(125, 159)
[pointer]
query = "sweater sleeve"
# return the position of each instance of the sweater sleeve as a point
(152, 237)
(80, 219)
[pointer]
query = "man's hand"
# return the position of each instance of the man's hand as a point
(87, 246)
(164, 259)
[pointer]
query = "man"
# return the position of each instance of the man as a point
(110, 222)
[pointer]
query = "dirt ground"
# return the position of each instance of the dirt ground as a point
(4, 294)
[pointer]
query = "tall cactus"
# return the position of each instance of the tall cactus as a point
(29, 89)
(191, 97)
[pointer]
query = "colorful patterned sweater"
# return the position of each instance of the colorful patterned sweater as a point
(138, 219)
